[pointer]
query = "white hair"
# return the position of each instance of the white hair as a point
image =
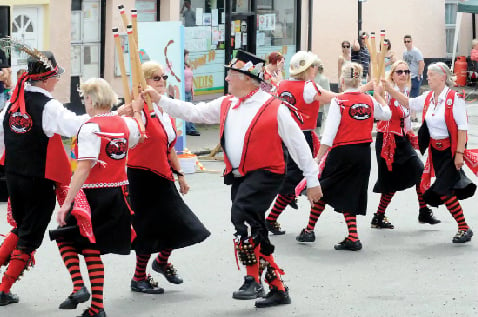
(442, 69)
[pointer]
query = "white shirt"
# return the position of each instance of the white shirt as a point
(380, 112)
(89, 143)
(238, 121)
(55, 118)
(435, 116)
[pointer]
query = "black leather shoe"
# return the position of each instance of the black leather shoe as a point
(80, 296)
(426, 216)
(306, 236)
(463, 236)
(147, 286)
(274, 298)
(193, 133)
(8, 298)
(87, 313)
(274, 228)
(379, 221)
(249, 290)
(294, 204)
(168, 271)
(348, 244)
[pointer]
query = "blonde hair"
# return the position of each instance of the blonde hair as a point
(394, 67)
(150, 68)
(442, 69)
(474, 42)
(102, 95)
(351, 75)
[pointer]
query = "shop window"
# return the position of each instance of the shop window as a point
(451, 7)
(148, 10)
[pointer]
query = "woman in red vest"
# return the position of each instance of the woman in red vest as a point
(302, 92)
(399, 167)
(169, 224)
(348, 134)
(103, 143)
(444, 133)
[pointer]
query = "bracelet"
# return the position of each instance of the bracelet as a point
(458, 152)
(179, 173)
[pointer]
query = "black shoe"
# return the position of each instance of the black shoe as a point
(168, 271)
(274, 228)
(274, 298)
(80, 296)
(306, 236)
(249, 290)
(8, 298)
(193, 133)
(87, 313)
(348, 244)
(426, 216)
(147, 286)
(294, 204)
(463, 236)
(379, 221)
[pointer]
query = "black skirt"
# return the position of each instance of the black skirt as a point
(345, 177)
(449, 181)
(111, 221)
(407, 168)
(293, 173)
(161, 218)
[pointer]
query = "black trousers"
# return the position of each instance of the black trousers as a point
(33, 201)
(251, 196)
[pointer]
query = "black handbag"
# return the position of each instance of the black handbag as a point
(67, 231)
(423, 137)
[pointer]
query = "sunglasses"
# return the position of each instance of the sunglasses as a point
(400, 72)
(158, 78)
(345, 46)
(407, 41)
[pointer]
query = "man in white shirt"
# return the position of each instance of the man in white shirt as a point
(253, 127)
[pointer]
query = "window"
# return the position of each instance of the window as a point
(148, 10)
(451, 7)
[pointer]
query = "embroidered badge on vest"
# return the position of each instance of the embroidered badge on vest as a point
(360, 111)
(20, 123)
(116, 149)
(449, 102)
(288, 97)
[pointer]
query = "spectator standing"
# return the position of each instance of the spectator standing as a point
(189, 92)
(414, 59)
(361, 55)
(343, 58)
(188, 14)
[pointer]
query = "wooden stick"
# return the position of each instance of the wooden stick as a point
(132, 57)
(381, 61)
(134, 22)
(123, 16)
(124, 78)
(373, 56)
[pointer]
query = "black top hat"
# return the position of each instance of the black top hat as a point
(248, 64)
(48, 66)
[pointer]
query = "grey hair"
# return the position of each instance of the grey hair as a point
(352, 75)
(443, 69)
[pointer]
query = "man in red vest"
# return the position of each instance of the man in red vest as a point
(35, 161)
(254, 126)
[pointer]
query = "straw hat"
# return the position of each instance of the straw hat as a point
(301, 61)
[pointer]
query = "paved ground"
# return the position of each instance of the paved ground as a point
(413, 270)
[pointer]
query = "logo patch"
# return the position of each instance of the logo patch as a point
(360, 111)
(288, 97)
(20, 123)
(449, 102)
(117, 148)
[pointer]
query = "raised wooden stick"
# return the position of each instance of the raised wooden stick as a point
(124, 78)
(381, 61)
(134, 22)
(373, 56)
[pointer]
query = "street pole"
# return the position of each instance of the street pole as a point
(359, 21)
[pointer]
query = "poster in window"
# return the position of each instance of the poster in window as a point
(206, 19)
(199, 13)
(215, 17)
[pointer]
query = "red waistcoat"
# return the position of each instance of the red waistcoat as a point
(110, 170)
(153, 153)
(396, 123)
(449, 120)
(356, 123)
(292, 91)
(262, 143)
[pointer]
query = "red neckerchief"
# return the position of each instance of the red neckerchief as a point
(18, 93)
(241, 100)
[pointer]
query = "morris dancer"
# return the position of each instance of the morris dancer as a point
(302, 92)
(273, 72)
(444, 132)
(103, 143)
(247, 117)
(348, 131)
(170, 224)
(35, 161)
(399, 167)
